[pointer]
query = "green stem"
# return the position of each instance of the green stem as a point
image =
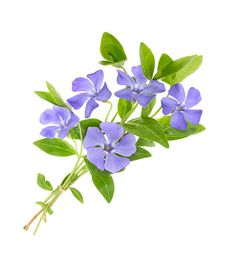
(158, 110)
(129, 114)
(114, 117)
(123, 68)
(109, 111)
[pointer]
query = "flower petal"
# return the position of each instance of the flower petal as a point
(97, 79)
(63, 132)
(49, 132)
(74, 120)
(168, 105)
(81, 84)
(138, 74)
(104, 94)
(96, 156)
(62, 114)
(193, 97)
(124, 79)
(114, 163)
(77, 101)
(177, 91)
(154, 87)
(177, 120)
(126, 146)
(193, 116)
(48, 117)
(126, 94)
(90, 106)
(94, 137)
(113, 131)
(144, 100)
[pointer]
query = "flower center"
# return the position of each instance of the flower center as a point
(180, 107)
(108, 147)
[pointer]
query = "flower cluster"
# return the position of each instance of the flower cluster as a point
(107, 146)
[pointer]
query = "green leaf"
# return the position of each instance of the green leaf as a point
(45, 95)
(175, 134)
(148, 109)
(43, 183)
(85, 124)
(179, 69)
(147, 128)
(77, 194)
(140, 154)
(124, 106)
(144, 143)
(43, 205)
(147, 60)
(102, 180)
(164, 61)
(56, 97)
(56, 147)
(111, 49)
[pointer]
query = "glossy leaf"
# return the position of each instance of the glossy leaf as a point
(175, 134)
(102, 180)
(148, 109)
(147, 128)
(145, 143)
(77, 194)
(85, 124)
(124, 106)
(111, 49)
(164, 61)
(147, 60)
(56, 147)
(140, 154)
(43, 183)
(46, 96)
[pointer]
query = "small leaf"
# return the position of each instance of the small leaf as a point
(164, 61)
(147, 128)
(111, 49)
(140, 154)
(175, 134)
(43, 183)
(144, 143)
(102, 180)
(56, 147)
(176, 71)
(124, 106)
(43, 205)
(85, 124)
(148, 109)
(147, 60)
(56, 96)
(45, 95)
(77, 194)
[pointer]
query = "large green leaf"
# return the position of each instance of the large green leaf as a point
(43, 183)
(144, 143)
(147, 128)
(148, 109)
(85, 124)
(102, 180)
(56, 147)
(111, 49)
(175, 134)
(147, 60)
(124, 106)
(140, 154)
(77, 194)
(176, 71)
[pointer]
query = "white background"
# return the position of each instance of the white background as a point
(181, 199)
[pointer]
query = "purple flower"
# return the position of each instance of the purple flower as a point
(90, 89)
(61, 120)
(109, 148)
(137, 89)
(179, 106)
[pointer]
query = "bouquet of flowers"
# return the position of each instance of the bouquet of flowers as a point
(106, 146)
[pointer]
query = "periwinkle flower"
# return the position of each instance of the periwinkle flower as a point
(137, 89)
(108, 147)
(179, 106)
(60, 119)
(91, 90)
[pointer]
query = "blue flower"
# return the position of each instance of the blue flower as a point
(61, 120)
(108, 147)
(91, 90)
(179, 106)
(137, 89)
